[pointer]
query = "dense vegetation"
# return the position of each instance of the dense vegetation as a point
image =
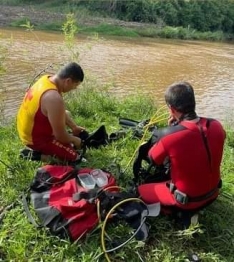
(187, 17)
(202, 15)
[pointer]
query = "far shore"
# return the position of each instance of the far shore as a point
(30, 16)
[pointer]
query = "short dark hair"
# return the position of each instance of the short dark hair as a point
(181, 96)
(73, 71)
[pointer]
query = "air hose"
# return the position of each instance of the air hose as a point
(103, 231)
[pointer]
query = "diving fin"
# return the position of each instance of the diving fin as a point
(128, 123)
(97, 138)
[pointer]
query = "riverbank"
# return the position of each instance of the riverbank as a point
(13, 14)
(40, 19)
(21, 241)
(53, 20)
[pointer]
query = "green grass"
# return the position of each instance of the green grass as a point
(92, 106)
(115, 30)
(106, 29)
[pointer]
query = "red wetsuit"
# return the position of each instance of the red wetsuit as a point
(195, 153)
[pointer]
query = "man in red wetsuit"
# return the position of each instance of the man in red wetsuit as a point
(42, 118)
(193, 146)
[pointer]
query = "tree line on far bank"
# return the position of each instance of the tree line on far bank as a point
(201, 15)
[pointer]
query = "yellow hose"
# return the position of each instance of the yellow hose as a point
(153, 120)
(98, 202)
(106, 219)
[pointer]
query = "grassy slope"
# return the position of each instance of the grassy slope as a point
(20, 241)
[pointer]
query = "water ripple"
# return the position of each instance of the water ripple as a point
(132, 66)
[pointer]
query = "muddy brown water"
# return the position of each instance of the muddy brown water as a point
(128, 66)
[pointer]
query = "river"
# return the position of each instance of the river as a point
(128, 66)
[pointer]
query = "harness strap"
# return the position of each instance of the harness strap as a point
(204, 138)
(205, 196)
(184, 199)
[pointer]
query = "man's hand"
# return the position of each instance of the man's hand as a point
(71, 123)
(76, 130)
(171, 121)
(76, 141)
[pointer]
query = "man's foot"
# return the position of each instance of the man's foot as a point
(29, 154)
(187, 219)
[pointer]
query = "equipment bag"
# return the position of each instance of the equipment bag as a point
(71, 203)
(57, 196)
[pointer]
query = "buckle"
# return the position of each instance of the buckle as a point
(180, 197)
(172, 187)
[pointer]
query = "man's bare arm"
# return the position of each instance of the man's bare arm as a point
(53, 107)
(73, 126)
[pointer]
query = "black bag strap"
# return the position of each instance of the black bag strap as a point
(89, 196)
(70, 175)
(40, 186)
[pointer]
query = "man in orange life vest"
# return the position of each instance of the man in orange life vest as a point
(42, 118)
(193, 146)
